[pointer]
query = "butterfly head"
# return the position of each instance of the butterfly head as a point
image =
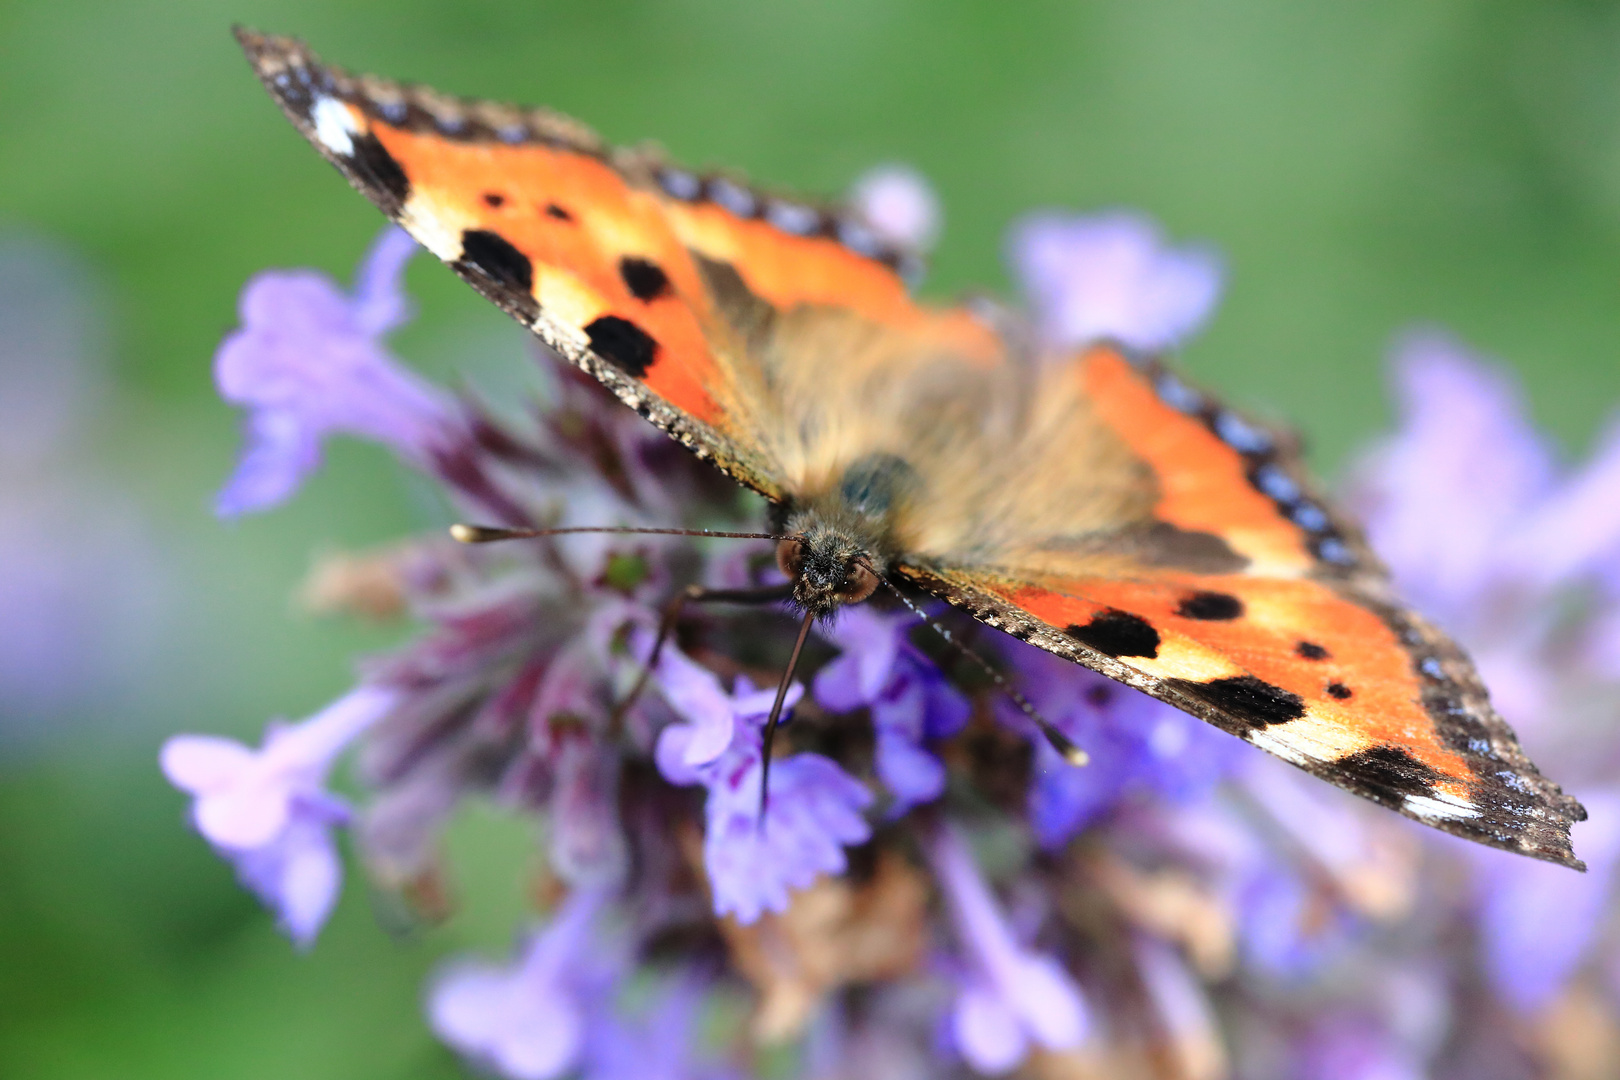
(829, 567)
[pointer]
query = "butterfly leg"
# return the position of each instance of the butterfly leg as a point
(692, 594)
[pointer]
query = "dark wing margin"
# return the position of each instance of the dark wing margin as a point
(1515, 807)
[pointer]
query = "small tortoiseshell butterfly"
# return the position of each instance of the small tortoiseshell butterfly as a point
(1096, 506)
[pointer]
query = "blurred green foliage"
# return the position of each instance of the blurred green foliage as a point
(1362, 167)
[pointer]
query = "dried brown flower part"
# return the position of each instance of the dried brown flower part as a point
(1577, 1037)
(1174, 904)
(833, 934)
(370, 584)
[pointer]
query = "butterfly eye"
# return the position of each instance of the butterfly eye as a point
(790, 556)
(861, 583)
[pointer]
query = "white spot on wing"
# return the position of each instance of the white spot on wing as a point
(1273, 745)
(334, 125)
(1440, 806)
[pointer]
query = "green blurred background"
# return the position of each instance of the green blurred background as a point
(1363, 167)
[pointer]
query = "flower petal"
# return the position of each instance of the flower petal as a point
(1112, 277)
(199, 764)
(245, 815)
(987, 1031)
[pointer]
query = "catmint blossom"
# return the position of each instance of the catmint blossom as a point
(909, 698)
(663, 1042)
(268, 810)
(1009, 996)
(812, 813)
(1138, 746)
(899, 205)
(85, 589)
(526, 1021)
(309, 361)
(1112, 277)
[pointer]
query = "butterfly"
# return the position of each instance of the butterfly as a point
(1094, 505)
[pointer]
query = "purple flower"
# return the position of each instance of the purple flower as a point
(268, 812)
(1009, 996)
(657, 1045)
(713, 717)
(308, 361)
(1467, 505)
(1138, 746)
(899, 205)
(1287, 924)
(1112, 277)
(80, 580)
(1349, 1047)
(814, 808)
(526, 1021)
(1539, 921)
(1442, 498)
(909, 698)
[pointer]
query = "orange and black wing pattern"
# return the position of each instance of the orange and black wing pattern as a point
(616, 259)
(1246, 601)
(1100, 508)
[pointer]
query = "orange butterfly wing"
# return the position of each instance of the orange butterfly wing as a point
(648, 277)
(1303, 652)
(609, 257)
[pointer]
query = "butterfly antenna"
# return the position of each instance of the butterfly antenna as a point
(776, 715)
(486, 534)
(1060, 742)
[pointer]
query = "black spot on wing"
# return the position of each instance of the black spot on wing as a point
(555, 211)
(1211, 607)
(1339, 690)
(499, 271)
(494, 200)
(493, 256)
(1310, 650)
(1388, 771)
(377, 168)
(623, 344)
(1250, 700)
(1118, 633)
(646, 280)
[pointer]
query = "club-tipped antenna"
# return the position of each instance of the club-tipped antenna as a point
(488, 534)
(776, 714)
(1065, 746)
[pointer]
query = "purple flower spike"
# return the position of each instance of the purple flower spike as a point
(307, 361)
(814, 808)
(1112, 277)
(267, 811)
(1466, 455)
(527, 1021)
(908, 695)
(1010, 996)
